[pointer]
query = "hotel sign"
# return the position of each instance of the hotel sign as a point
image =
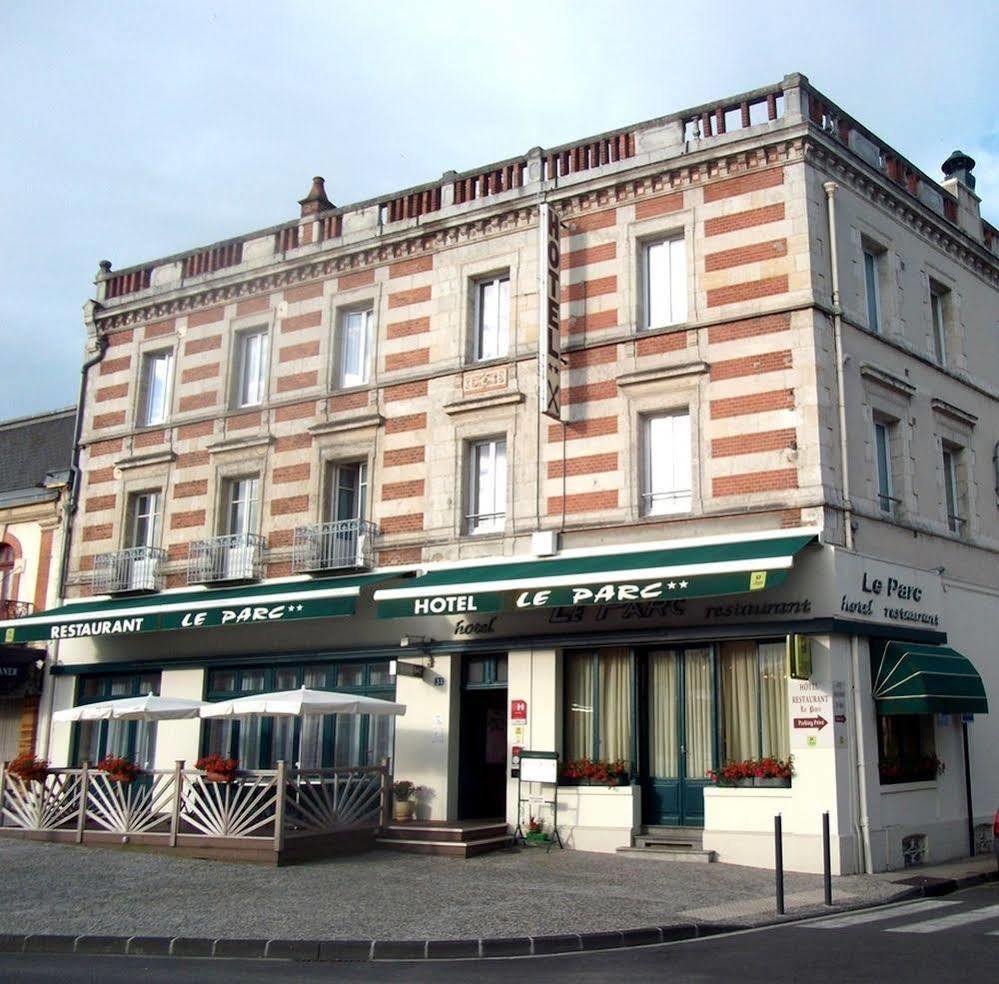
(550, 312)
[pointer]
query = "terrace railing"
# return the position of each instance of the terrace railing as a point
(134, 569)
(345, 544)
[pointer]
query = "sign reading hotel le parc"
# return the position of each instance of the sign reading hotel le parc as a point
(581, 594)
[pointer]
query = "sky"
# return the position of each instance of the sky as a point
(133, 130)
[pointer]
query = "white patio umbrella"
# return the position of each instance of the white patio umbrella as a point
(147, 708)
(299, 703)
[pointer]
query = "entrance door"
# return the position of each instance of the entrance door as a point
(678, 734)
(482, 739)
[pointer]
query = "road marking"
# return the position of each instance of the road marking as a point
(948, 922)
(858, 918)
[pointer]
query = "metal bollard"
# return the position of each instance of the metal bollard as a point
(826, 860)
(779, 863)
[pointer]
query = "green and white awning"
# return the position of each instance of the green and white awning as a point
(604, 576)
(915, 679)
(195, 609)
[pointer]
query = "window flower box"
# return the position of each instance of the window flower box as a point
(765, 772)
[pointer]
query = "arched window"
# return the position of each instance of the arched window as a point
(6, 571)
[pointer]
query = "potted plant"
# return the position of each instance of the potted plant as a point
(217, 769)
(27, 768)
(535, 833)
(595, 772)
(121, 770)
(402, 800)
(773, 772)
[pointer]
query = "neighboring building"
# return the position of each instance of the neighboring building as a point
(341, 416)
(35, 454)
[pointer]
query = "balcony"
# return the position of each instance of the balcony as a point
(233, 557)
(346, 544)
(136, 569)
(9, 608)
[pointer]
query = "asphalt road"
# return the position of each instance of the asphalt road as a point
(955, 938)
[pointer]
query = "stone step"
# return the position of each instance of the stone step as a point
(667, 841)
(457, 849)
(669, 854)
(434, 832)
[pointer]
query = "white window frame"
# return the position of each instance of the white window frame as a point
(498, 346)
(151, 414)
(884, 480)
(676, 492)
(251, 390)
(487, 506)
(145, 506)
(872, 288)
(241, 498)
(951, 462)
(335, 470)
(673, 250)
(356, 322)
(938, 321)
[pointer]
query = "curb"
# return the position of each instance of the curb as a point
(467, 949)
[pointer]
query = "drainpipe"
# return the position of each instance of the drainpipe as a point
(863, 822)
(830, 190)
(69, 511)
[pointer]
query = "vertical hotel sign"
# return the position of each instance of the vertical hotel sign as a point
(550, 310)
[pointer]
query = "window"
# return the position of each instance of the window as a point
(906, 748)
(242, 506)
(487, 492)
(6, 572)
(754, 709)
(599, 711)
(144, 519)
(354, 354)
(492, 317)
(666, 467)
(135, 740)
(332, 741)
(953, 499)
(938, 313)
(251, 368)
(872, 278)
(664, 266)
(154, 394)
(884, 435)
(348, 490)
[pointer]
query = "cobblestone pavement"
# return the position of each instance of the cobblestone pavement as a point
(56, 888)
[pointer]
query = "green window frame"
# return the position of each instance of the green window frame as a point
(485, 672)
(597, 742)
(93, 740)
(257, 743)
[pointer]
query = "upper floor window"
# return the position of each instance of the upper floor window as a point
(348, 490)
(144, 520)
(154, 394)
(487, 486)
(251, 368)
(354, 349)
(6, 571)
(242, 506)
(938, 319)
(664, 271)
(884, 437)
(492, 317)
(955, 500)
(666, 478)
(872, 287)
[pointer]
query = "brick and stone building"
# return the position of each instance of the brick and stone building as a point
(778, 361)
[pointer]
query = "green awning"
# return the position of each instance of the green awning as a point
(915, 679)
(196, 609)
(603, 576)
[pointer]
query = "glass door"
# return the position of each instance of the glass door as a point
(678, 730)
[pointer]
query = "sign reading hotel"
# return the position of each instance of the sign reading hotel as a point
(550, 312)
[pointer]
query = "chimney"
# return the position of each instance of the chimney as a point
(960, 182)
(315, 201)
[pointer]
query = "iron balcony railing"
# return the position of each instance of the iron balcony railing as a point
(9, 608)
(134, 569)
(233, 557)
(341, 545)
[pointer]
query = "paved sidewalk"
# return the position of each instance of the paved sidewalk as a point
(53, 888)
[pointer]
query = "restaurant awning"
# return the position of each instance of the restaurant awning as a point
(196, 609)
(602, 576)
(914, 679)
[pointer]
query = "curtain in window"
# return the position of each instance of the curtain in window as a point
(580, 698)
(740, 700)
(662, 703)
(698, 704)
(615, 704)
(773, 700)
(347, 743)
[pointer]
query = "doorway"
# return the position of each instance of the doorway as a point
(677, 733)
(482, 751)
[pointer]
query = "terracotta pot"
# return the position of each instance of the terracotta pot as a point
(402, 810)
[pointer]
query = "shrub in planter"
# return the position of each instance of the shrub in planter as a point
(535, 833)
(403, 805)
(217, 769)
(28, 769)
(119, 769)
